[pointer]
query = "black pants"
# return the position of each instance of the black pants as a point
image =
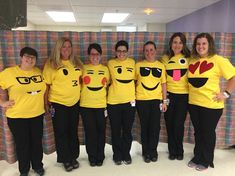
(94, 123)
(65, 123)
(175, 117)
(149, 114)
(121, 120)
(204, 122)
(27, 134)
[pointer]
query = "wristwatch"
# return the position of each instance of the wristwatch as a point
(226, 94)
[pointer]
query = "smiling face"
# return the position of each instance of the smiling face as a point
(94, 57)
(150, 53)
(121, 52)
(202, 47)
(66, 50)
(27, 62)
(177, 45)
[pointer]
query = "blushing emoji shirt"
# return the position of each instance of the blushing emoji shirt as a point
(150, 77)
(176, 69)
(94, 86)
(122, 88)
(64, 83)
(204, 76)
(27, 89)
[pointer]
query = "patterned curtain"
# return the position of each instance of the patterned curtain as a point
(12, 41)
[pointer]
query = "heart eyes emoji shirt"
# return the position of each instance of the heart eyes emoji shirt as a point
(204, 80)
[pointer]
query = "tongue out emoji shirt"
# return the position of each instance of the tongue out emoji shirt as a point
(176, 71)
(204, 80)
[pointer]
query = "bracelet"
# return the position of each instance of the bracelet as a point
(166, 101)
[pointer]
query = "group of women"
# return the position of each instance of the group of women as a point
(179, 82)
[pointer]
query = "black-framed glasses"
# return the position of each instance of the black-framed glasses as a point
(27, 80)
(29, 56)
(122, 51)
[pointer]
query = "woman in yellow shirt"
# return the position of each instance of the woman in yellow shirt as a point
(95, 78)
(62, 74)
(25, 109)
(206, 98)
(121, 102)
(150, 91)
(176, 64)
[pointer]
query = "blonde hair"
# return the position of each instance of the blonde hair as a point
(55, 58)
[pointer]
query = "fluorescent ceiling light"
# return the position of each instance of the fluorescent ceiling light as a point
(114, 17)
(61, 16)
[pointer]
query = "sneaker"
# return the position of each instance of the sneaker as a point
(127, 162)
(192, 164)
(200, 167)
(75, 164)
(68, 167)
(92, 163)
(40, 172)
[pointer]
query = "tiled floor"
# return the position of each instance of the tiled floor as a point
(224, 165)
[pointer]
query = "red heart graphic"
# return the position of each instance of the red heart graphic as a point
(205, 67)
(193, 67)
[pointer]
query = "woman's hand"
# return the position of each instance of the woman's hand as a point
(219, 97)
(164, 107)
(7, 104)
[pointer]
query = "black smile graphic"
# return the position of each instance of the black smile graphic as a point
(153, 88)
(94, 88)
(34, 92)
(124, 81)
(182, 72)
(197, 82)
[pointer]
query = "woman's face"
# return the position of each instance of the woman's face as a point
(202, 47)
(27, 61)
(121, 52)
(150, 53)
(66, 50)
(177, 45)
(94, 57)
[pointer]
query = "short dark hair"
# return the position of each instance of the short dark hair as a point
(211, 43)
(150, 43)
(95, 46)
(121, 43)
(28, 50)
(185, 51)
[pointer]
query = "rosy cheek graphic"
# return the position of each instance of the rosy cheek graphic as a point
(86, 80)
(104, 81)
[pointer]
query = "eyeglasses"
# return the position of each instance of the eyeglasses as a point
(27, 80)
(122, 51)
(95, 54)
(29, 56)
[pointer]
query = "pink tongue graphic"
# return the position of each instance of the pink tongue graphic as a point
(176, 75)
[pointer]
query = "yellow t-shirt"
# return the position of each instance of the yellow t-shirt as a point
(204, 80)
(122, 88)
(94, 83)
(150, 77)
(64, 83)
(27, 89)
(176, 73)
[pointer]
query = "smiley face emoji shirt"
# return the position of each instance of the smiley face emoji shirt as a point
(204, 76)
(176, 71)
(94, 83)
(122, 88)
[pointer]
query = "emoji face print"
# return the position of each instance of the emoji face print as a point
(94, 79)
(176, 68)
(123, 72)
(65, 72)
(199, 69)
(146, 72)
(30, 80)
